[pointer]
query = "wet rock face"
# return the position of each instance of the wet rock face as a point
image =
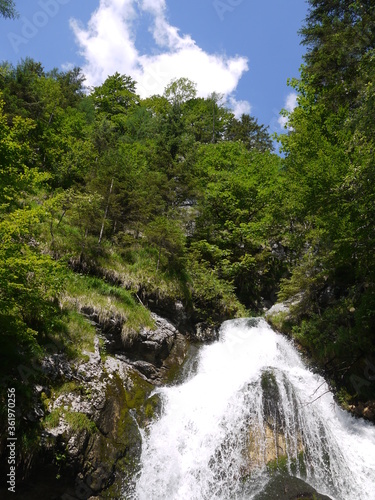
(285, 487)
(166, 307)
(267, 439)
(365, 410)
(157, 353)
(152, 352)
(152, 346)
(269, 444)
(116, 441)
(205, 332)
(95, 431)
(93, 442)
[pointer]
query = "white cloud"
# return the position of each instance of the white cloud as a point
(68, 66)
(108, 44)
(290, 104)
(239, 107)
(291, 101)
(108, 41)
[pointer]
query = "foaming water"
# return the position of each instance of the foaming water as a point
(250, 406)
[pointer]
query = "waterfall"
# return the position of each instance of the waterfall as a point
(250, 408)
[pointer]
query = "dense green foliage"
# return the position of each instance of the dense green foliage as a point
(330, 195)
(173, 197)
(168, 196)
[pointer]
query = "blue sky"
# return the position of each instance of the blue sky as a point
(244, 49)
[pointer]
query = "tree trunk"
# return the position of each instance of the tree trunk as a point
(158, 263)
(213, 122)
(105, 213)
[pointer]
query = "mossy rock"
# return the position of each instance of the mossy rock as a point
(269, 384)
(271, 398)
(281, 465)
(114, 452)
(281, 322)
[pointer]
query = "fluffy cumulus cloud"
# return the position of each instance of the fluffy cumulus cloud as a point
(108, 44)
(290, 104)
(239, 107)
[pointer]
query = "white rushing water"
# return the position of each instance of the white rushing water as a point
(252, 401)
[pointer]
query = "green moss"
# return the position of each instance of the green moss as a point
(279, 464)
(282, 464)
(149, 411)
(298, 465)
(121, 447)
(80, 421)
(77, 421)
(67, 388)
(126, 401)
(281, 322)
(271, 396)
(52, 420)
(137, 395)
(45, 401)
(153, 406)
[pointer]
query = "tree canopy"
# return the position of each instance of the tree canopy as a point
(8, 9)
(107, 180)
(330, 191)
(173, 196)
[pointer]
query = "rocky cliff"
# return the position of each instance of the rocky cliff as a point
(92, 410)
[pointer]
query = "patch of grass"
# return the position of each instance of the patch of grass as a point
(81, 332)
(45, 401)
(80, 421)
(136, 267)
(66, 388)
(77, 421)
(72, 334)
(52, 420)
(131, 261)
(69, 388)
(106, 301)
(134, 264)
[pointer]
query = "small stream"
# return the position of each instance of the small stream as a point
(247, 411)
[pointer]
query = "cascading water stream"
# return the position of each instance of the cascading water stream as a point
(251, 407)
